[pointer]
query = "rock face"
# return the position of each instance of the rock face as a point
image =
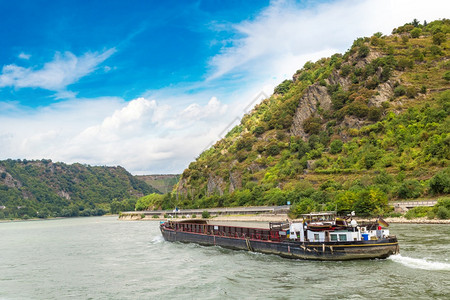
(314, 97)
(181, 187)
(336, 78)
(235, 181)
(64, 194)
(385, 92)
(214, 185)
(8, 180)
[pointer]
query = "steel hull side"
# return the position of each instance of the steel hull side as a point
(297, 250)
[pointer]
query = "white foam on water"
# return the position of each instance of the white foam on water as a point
(419, 263)
(157, 239)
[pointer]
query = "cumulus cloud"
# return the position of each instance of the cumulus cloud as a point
(56, 75)
(288, 29)
(141, 134)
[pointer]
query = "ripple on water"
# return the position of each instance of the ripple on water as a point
(103, 258)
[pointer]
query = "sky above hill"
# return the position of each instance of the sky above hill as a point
(149, 85)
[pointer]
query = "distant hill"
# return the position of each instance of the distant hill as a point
(42, 188)
(162, 182)
(346, 132)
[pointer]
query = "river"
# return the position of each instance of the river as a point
(103, 258)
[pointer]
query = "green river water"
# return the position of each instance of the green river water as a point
(103, 258)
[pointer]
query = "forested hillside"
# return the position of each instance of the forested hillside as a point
(44, 189)
(162, 182)
(346, 132)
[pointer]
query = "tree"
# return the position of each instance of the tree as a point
(259, 130)
(370, 202)
(304, 206)
(336, 146)
(440, 182)
(439, 38)
(415, 33)
(409, 189)
(312, 125)
(283, 88)
(272, 149)
(363, 51)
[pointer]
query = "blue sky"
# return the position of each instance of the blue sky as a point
(148, 85)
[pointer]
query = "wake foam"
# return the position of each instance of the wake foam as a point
(157, 239)
(418, 263)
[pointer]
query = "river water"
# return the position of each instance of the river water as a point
(103, 258)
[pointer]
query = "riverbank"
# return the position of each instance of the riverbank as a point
(279, 218)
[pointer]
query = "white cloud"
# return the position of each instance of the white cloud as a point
(56, 75)
(286, 34)
(141, 135)
(166, 129)
(25, 56)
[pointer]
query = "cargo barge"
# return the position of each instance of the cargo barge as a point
(318, 236)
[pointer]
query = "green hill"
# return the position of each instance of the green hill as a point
(43, 189)
(347, 132)
(162, 182)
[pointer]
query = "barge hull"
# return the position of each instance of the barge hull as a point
(291, 249)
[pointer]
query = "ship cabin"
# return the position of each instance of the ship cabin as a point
(327, 227)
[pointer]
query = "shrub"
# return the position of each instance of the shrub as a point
(155, 217)
(418, 55)
(345, 70)
(446, 76)
(259, 130)
(339, 98)
(369, 159)
(312, 125)
(336, 146)
(418, 212)
(399, 91)
(206, 214)
(439, 38)
(411, 92)
(405, 39)
(283, 87)
(440, 182)
(375, 113)
(244, 143)
(409, 189)
(241, 155)
(404, 63)
(372, 83)
(272, 149)
(435, 50)
(363, 51)
(443, 213)
(415, 33)
(194, 216)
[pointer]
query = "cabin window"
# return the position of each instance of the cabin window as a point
(343, 237)
(316, 236)
(334, 238)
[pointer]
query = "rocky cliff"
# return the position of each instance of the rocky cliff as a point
(380, 108)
